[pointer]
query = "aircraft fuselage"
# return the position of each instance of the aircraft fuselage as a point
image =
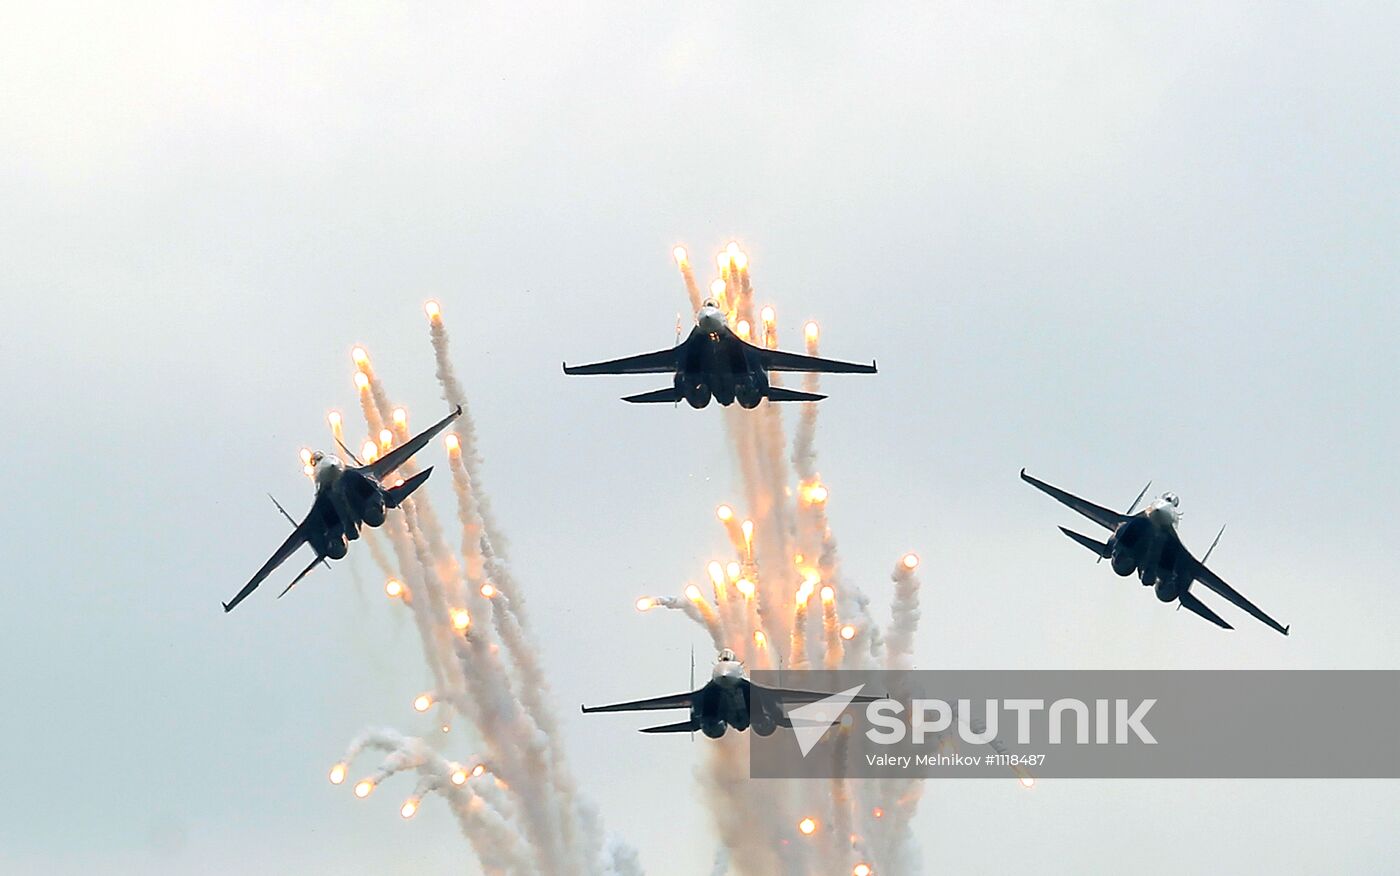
(726, 702)
(357, 498)
(1146, 543)
(714, 363)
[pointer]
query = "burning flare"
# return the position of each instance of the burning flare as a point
(338, 773)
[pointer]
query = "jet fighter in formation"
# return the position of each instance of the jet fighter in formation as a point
(728, 699)
(1146, 542)
(715, 363)
(347, 496)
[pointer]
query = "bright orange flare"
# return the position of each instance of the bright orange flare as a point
(741, 261)
(745, 586)
(478, 770)
(878, 812)
(910, 561)
(807, 826)
(760, 639)
(363, 788)
(812, 331)
(488, 590)
(338, 773)
(370, 452)
(742, 329)
(308, 471)
(848, 632)
(361, 381)
(733, 570)
(433, 310)
(732, 248)
(305, 454)
(400, 418)
(814, 493)
(459, 776)
(360, 356)
(717, 289)
(680, 255)
(722, 260)
(386, 438)
(768, 314)
(716, 574)
(409, 807)
(333, 418)
(461, 619)
(723, 512)
(861, 870)
(646, 603)
(454, 444)
(828, 593)
(747, 527)
(393, 588)
(422, 703)
(1027, 781)
(693, 593)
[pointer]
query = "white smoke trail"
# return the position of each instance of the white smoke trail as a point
(792, 543)
(904, 614)
(526, 817)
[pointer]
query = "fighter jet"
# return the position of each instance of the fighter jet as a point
(729, 699)
(1146, 542)
(713, 362)
(346, 497)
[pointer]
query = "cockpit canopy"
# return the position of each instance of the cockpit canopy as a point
(1172, 498)
(727, 656)
(317, 456)
(710, 302)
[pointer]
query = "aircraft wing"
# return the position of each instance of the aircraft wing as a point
(660, 362)
(674, 701)
(797, 697)
(777, 360)
(386, 464)
(314, 518)
(1097, 513)
(1215, 583)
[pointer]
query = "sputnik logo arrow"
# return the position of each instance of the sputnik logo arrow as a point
(810, 722)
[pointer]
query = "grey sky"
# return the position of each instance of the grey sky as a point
(1110, 243)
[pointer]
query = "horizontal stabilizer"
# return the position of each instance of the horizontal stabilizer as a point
(779, 394)
(404, 490)
(669, 395)
(1097, 547)
(1190, 601)
(680, 727)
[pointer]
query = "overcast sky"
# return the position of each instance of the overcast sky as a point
(1110, 244)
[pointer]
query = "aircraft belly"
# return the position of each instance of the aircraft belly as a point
(735, 710)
